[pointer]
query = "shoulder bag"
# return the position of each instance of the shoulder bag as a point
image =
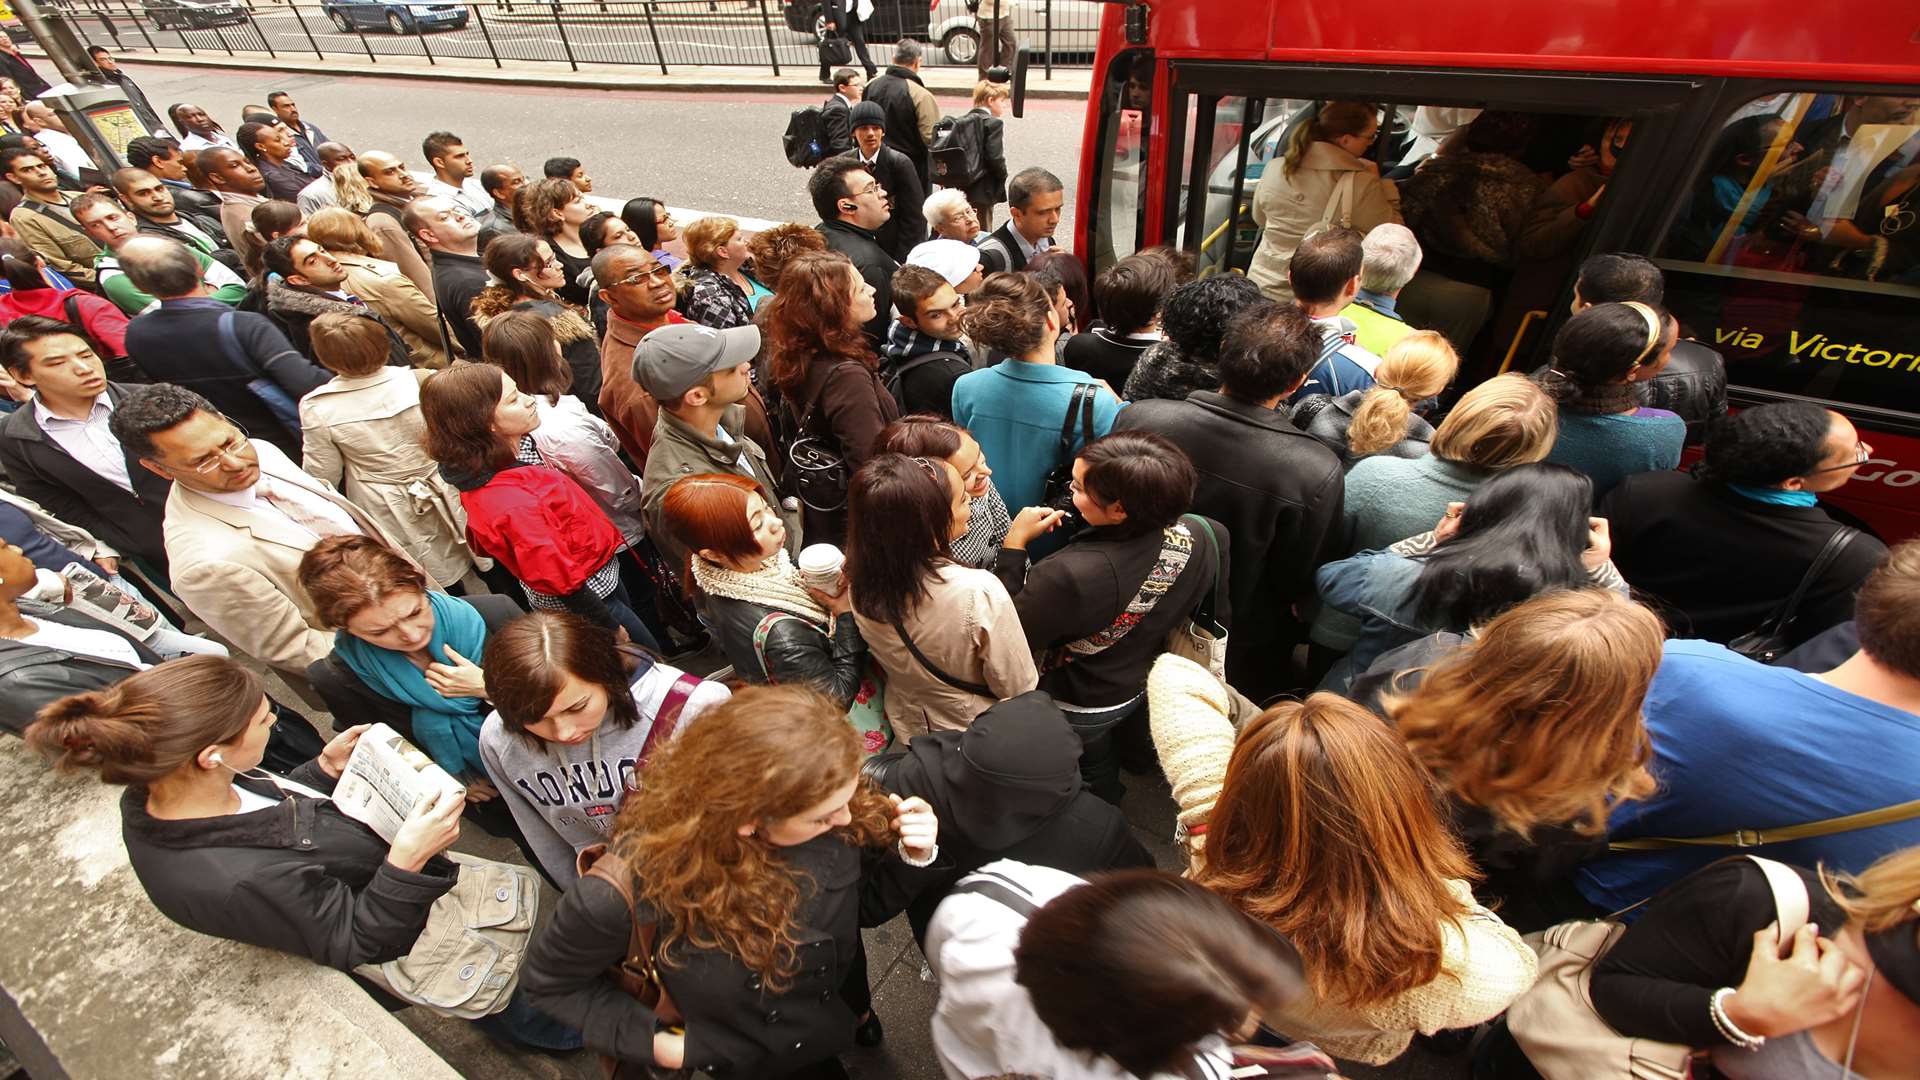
(638, 973)
(466, 961)
(1176, 551)
(270, 394)
(817, 464)
(1768, 641)
(1202, 639)
(1745, 838)
(1556, 1024)
(667, 720)
(936, 671)
(868, 710)
(1079, 408)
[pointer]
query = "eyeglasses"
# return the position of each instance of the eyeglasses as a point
(229, 450)
(660, 272)
(1860, 457)
(874, 188)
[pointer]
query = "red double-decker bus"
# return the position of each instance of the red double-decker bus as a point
(1766, 161)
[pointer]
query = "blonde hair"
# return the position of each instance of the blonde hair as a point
(343, 230)
(985, 91)
(1334, 120)
(1538, 718)
(1415, 368)
(350, 189)
(1506, 421)
(1883, 896)
(706, 236)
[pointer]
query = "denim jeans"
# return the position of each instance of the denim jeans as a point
(522, 1023)
(1099, 766)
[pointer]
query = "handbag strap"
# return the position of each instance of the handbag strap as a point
(636, 970)
(765, 627)
(1829, 552)
(668, 718)
(1210, 601)
(813, 400)
(1080, 394)
(935, 670)
(1745, 838)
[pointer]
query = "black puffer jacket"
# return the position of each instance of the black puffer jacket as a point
(1693, 385)
(797, 652)
(300, 876)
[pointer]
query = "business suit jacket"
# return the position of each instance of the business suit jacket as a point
(836, 125)
(239, 570)
(42, 470)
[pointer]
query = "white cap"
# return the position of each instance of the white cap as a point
(951, 259)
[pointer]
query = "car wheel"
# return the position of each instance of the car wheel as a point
(819, 24)
(398, 23)
(461, 25)
(962, 46)
(340, 20)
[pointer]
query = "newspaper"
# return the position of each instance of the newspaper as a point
(95, 596)
(386, 777)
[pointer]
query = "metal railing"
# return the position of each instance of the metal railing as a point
(663, 34)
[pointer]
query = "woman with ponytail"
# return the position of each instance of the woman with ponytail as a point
(30, 288)
(1603, 359)
(1388, 418)
(1323, 179)
(233, 851)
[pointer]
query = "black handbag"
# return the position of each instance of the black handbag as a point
(835, 51)
(1768, 641)
(1057, 493)
(816, 464)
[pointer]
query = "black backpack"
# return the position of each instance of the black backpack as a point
(897, 379)
(959, 151)
(806, 139)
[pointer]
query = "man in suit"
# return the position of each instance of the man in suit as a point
(848, 19)
(57, 448)
(910, 107)
(238, 520)
(907, 226)
(836, 124)
(306, 137)
(1034, 199)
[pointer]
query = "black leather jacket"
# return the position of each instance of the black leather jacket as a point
(796, 651)
(32, 676)
(1693, 385)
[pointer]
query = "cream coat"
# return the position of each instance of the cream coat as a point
(968, 626)
(409, 311)
(1288, 208)
(239, 570)
(363, 436)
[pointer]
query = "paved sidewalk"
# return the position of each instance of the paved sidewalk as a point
(1067, 83)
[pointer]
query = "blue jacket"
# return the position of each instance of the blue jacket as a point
(1014, 410)
(1376, 588)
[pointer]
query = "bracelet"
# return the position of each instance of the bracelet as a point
(917, 863)
(1717, 1009)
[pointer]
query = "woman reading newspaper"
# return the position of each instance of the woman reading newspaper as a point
(228, 849)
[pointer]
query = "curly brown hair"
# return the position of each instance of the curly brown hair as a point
(810, 319)
(774, 248)
(768, 753)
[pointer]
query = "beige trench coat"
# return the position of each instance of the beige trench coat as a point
(363, 435)
(1288, 208)
(967, 626)
(409, 311)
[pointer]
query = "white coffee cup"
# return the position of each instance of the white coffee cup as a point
(820, 566)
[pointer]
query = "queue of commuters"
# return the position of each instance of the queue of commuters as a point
(976, 535)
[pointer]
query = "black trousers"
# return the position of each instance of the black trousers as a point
(855, 32)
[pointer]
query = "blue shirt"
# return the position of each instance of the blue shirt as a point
(1611, 447)
(1740, 745)
(1014, 410)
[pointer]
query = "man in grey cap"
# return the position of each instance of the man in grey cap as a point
(699, 376)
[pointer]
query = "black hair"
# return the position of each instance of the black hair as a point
(1497, 131)
(28, 329)
(560, 168)
(1521, 535)
(141, 151)
(1599, 346)
(276, 94)
(248, 139)
(591, 231)
(493, 178)
(18, 266)
(828, 185)
(1324, 263)
(1766, 444)
(1132, 291)
(438, 143)
(147, 410)
(1268, 349)
(96, 51)
(14, 153)
(1029, 182)
(899, 511)
(640, 217)
(277, 256)
(1197, 314)
(1615, 277)
(1151, 478)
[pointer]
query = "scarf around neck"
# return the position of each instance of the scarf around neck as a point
(775, 585)
(448, 729)
(1606, 399)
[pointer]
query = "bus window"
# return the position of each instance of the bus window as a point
(1124, 102)
(1796, 252)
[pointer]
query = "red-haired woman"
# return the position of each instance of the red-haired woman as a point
(575, 719)
(758, 851)
(533, 518)
(772, 626)
(826, 375)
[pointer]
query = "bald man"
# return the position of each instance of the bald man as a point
(392, 185)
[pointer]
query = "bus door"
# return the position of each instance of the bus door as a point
(1793, 248)
(1479, 159)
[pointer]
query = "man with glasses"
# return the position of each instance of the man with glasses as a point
(638, 291)
(239, 359)
(1723, 549)
(452, 239)
(239, 517)
(853, 205)
(43, 218)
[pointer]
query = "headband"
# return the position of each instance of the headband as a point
(1655, 330)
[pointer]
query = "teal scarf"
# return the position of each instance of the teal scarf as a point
(448, 729)
(1775, 496)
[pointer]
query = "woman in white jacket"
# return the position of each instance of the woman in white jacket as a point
(1323, 180)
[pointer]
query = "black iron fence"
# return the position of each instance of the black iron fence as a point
(663, 34)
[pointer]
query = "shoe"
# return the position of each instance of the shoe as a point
(869, 1031)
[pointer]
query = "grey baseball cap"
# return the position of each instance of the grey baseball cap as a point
(672, 360)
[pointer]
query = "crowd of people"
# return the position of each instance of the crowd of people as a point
(978, 536)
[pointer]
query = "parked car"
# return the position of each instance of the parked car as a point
(195, 14)
(892, 19)
(398, 17)
(1076, 29)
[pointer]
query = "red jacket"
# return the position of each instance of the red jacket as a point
(106, 323)
(538, 522)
